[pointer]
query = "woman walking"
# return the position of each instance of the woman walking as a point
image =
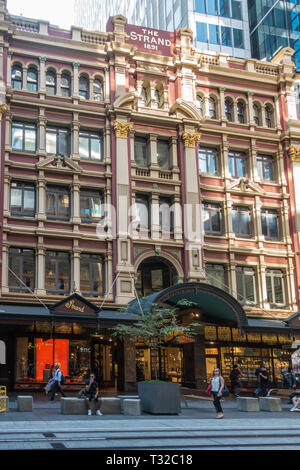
(217, 385)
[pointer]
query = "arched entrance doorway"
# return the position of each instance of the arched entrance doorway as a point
(154, 274)
(190, 361)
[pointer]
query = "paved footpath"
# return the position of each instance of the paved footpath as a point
(195, 428)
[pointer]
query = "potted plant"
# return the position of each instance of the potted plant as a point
(155, 326)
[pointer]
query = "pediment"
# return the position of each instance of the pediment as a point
(243, 184)
(57, 163)
(74, 305)
(184, 109)
(127, 100)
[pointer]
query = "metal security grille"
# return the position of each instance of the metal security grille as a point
(3, 399)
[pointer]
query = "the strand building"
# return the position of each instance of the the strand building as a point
(133, 164)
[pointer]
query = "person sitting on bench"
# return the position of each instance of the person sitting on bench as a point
(92, 393)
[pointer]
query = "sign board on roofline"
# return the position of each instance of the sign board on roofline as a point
(148, 39)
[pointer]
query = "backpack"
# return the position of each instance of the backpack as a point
(62, 379)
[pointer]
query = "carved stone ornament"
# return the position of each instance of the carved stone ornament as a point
(294, 154)
(3, 109)
(190, 139)
(122, 129)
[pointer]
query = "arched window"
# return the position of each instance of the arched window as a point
(98, 90)
(65, 85)
(158, 97)
(84, 88)
(17, 77)
(229, 109)
(269, 115)
(32, 79)
(199, 104)
(145, 96)
(257, 114)
(212, 111)
(240, 109)
(51, 82)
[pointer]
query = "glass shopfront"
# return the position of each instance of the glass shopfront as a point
(226, 347)
(77, 356)
(168, 361)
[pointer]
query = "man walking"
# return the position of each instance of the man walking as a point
(235, 377)
(263, 380)
(57, 383)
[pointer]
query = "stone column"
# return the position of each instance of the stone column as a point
(177, 219)
(58, 84)
(8, 74)
(41, 147)
(192, 211)
(155, 227)
(25, 71)
(76, 79)
(40, 258)
(222, 104)
(41, 197)
(250, 108)
(42, 79)
(6, 199)
(75, 198)
(127, 366)
(124, 268)
(75, 137)
(5, 249)
(75, 271)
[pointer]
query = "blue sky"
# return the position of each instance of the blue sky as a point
(57, 12)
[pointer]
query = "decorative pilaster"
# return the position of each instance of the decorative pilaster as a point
(190, 139)
(8, 74)
(122, 129)
(42, 80)
(40, 258)
(76, 66)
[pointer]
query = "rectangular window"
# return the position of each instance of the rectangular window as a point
(236, 8)
(21, 273)
(275, 290)
(200, 6)
(241, 221)
(208, 160)
(57, 272)
(215, 276)
(238, 38)
(166, 215)
(141, 151)
(214, 36)
(142, 212)
(24, 137)
(91, 275)
(224, 8)
(91, 206)
(226, 36)
(265, 167)
(269, 223)
(212, 218)
(246, 285)
(212, 7)
(201, 32)
(22, 199)
(163, 155)
(57, 203)
(57, 141)
(90, 145)
(237, 164)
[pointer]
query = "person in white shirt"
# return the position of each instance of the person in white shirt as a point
(57, 382)
(217, 383)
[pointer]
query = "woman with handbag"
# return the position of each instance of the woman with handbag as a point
(217, 386)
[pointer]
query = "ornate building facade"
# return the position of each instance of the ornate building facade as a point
(133, 164)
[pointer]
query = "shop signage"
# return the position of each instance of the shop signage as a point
(75, 305)
(150, 40)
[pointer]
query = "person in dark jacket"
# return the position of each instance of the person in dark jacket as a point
(288, 379)
(235, 377)
(263, 381)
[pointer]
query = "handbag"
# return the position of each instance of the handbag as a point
(208, 390)
(225, 391)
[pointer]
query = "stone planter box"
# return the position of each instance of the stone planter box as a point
(160, 397)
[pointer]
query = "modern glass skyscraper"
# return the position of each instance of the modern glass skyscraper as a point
(218, 25)
(274, 24)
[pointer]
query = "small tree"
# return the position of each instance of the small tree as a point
(153, 325)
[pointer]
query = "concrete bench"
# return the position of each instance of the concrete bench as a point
(25, 402)
(126, 397)
(132, 407)
(77, 406)
(270, 404)
(248, 404)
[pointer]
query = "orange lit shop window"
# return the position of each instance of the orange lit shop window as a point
(44, 355)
